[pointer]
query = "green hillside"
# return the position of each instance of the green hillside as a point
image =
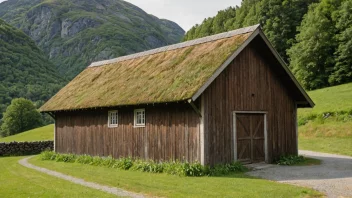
(74, 33)
(331, 99)
(25, 71)
(328, 126)
(39, 134)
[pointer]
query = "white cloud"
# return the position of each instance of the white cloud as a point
(184, 12)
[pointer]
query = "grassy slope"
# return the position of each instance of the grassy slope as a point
(163, 185)
(18, 181)
(334, 134)
(331, 99)
(39, 134)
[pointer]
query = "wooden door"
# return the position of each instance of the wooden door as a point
(250, 137)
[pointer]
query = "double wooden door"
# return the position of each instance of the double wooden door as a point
(250, 137)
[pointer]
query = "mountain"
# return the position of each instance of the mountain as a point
(74, 33)
(25, 71)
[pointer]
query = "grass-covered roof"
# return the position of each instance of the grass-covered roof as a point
(170, 74)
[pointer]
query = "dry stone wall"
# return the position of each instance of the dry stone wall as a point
(25, 148)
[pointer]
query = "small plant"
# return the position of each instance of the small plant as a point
(174, 168)
(84, 159)
(47, 155)
(123, 163)
(290, 160)
(224, 169)
(150, 166)
(65, 158)
(97, 161)
(108, 161)
(194, 170)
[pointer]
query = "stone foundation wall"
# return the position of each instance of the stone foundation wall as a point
(25, 148)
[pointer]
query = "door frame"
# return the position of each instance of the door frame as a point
(265, 131)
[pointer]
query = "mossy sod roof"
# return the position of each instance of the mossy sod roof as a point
(168, 74)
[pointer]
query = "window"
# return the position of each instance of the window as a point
(113, 119)
(139, 117)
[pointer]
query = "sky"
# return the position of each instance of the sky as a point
(186, 13)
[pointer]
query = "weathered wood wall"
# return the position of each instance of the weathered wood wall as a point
(250, 83)
(171, 132)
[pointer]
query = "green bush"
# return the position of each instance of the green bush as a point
(194, 170)
(84, 159)
(70, 158)
(174, 168)
(150, 166)
(290, 160)
(123, 163)
(224, 169)
(108, 161)
(47, 155)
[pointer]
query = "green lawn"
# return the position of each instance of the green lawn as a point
(39, 134)
(236, 185)
(342, 146)
(19, 181)
(332, 134)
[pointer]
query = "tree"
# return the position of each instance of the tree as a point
(342, 71)
(20, 116)
(312, 57)
(280, 19)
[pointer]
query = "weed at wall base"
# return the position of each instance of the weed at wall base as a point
(169, 167)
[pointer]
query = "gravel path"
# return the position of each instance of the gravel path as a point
(108, 189)
(333, 177)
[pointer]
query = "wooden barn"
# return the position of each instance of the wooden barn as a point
(213, 100)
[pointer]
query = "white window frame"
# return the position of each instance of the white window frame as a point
(135, 118)
(110, 125)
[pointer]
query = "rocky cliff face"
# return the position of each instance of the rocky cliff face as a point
(74, 33)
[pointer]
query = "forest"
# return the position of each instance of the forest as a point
(24, 69)
(313, 37)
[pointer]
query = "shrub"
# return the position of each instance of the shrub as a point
(174, 168)
(123, 163)
(97, 161)
(108, 161)
(65, 158)
(290, 160)
(84, 159)
(224, 169)
(194, 170)
(47, 155)
(148, 166)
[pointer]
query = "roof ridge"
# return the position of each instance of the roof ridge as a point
(178, 45)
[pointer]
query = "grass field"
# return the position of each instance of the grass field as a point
(331, 134)
(236, 185)
(39, 134)
(18, 181)
(331, 99)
